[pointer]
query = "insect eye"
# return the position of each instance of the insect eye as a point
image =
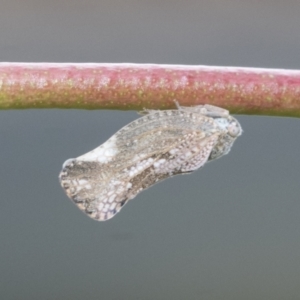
(234, 129)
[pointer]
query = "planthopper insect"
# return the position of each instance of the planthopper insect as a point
(159, 145)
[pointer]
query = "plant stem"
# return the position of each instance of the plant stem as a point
(138, 86)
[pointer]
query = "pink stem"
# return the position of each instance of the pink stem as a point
(134, 86)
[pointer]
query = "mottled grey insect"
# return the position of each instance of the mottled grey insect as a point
(161, 144)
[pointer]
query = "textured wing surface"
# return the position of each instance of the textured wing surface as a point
(142, 153)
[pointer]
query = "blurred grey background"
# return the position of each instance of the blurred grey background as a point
(229, 231)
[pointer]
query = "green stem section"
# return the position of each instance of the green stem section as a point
(138, 86)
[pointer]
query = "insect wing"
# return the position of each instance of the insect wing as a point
(141, 154)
